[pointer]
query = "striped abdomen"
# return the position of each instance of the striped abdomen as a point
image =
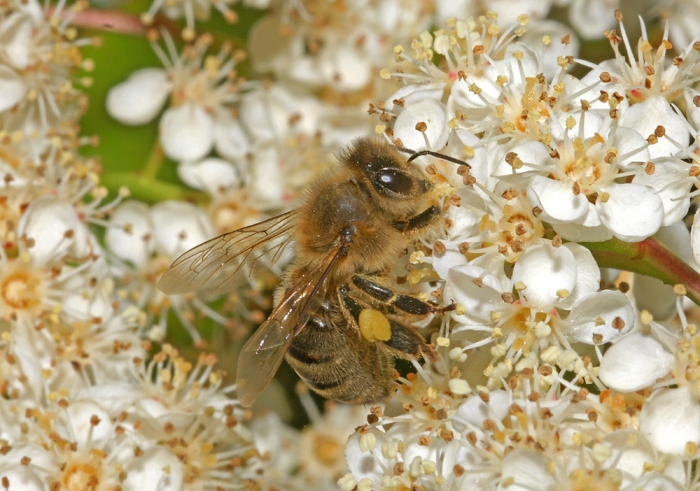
(336, 361)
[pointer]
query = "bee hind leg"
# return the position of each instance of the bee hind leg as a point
(406, 342)
(405, 303)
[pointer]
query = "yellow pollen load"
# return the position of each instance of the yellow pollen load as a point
(374, 325)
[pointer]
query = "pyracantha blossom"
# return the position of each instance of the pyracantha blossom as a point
(323, 45)
(491, 85)
(532, 319)
(446, 435)
(202, 88)
(591, 18)
(39, 60)
(144, 242)
(579, 180)
(671, 415)
(191, 10)
(651, 84)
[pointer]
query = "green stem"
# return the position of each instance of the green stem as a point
(148, 190)
(154, 163)
(648, 257)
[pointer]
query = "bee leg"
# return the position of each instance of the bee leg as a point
(419, 221)
(406, 303)
(407, 341)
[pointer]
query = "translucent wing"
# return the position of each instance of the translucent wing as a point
(230, 260)
(263, 353)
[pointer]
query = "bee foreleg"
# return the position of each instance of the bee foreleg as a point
(406, 303)
(419, 221)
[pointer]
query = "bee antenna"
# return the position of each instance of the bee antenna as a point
(415, 155)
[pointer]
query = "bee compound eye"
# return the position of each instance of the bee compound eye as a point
(395, 180)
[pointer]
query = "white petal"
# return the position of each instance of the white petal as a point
(633, 212)
(692, 112)
(474, 410)
(533, 37)
(265, 180)
(179, 226)
(186, 132)
(634, 362)
(211, 175)
(16, 40)
(465, 217)
(527, 470)
(628, 459)
(481, 163)
(645, 116)
(138, 99)
(451, 258)
(461, 97)
(545, 270)
(630, 143)
(365, 464)
(344, 68)
(266, 114)
(231, 141)
(12, 88)
(533, 152)
(266, 44)
(695, 238)
(413, 93)
(155, 469)
(671, 182)
(557, 199)
(129, 233)
(430, 112)
(652, 294)
(671, 418)
(478, 301)
(587, 275)
(75, 423)
(595, 313)
(24, 477)
(592, 17)
(55, 228)
(655, 296)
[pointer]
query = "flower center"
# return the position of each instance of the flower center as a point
(80, 476)
(19, 290)
(327, 450)
(586, 166)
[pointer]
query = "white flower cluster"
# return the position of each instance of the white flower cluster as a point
(86, 401)
(525, 394)
(552, 373)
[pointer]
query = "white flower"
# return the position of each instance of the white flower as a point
(529, 331)
(191, 10)
(201, 88)
(38, 60)
(579, 186)
(671, 419)
(591, 18)
(634, 362)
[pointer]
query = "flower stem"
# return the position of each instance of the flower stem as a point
(648, 257)
(154, 163)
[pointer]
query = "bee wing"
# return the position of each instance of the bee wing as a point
(230, 260)
(263, 353)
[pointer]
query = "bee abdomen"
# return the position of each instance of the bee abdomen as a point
(337, 366)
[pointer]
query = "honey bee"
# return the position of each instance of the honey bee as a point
(338, 322)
